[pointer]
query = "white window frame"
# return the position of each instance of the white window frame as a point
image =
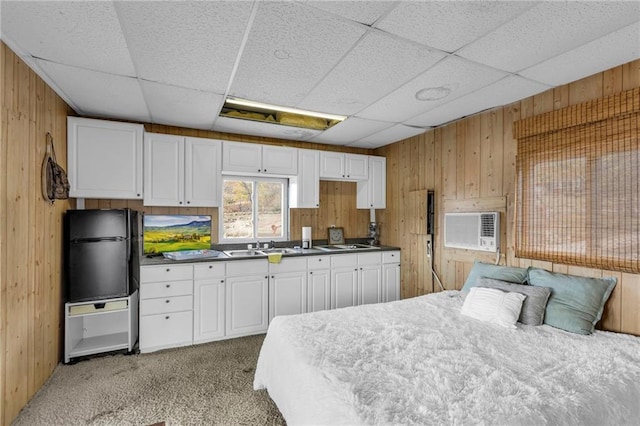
(285, 210)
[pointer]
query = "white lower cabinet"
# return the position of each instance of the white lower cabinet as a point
(166, 306)
(390, 276)
(200, 302)
(318, 283)
(209, 301)
(288, 287)
(344, 280)
(247, 297)
(369, 278)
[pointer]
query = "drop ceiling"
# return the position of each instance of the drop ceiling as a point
(395, 68)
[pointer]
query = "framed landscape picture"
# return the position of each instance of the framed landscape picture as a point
(168, 233)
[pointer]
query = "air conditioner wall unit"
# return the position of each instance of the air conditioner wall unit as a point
(472, 231)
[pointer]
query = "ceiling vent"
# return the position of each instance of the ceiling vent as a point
(257, 111)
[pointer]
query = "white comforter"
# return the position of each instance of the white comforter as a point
(417, 361)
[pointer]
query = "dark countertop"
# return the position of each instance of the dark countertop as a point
(161, 260)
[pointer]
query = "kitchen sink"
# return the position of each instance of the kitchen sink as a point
(284, 250)
(340, 247)
(244, 253)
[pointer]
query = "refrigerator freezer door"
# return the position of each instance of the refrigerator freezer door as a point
(98, 270)
(97, 224)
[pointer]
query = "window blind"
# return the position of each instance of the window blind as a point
(578, 186)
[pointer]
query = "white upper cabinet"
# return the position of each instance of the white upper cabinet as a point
(341, 166)
(104, 159)
(372, 193)
(248, 158)
(181, 171)
(304, 188)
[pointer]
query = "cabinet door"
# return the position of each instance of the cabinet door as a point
(332, 165)
(356, 166)
(164, 170)
(208, 310)
(344, 287)
(241, 157)
(369, 284)
(304, 188)
(372, 193)
(279, 160)
(166, 330)
(390, 282)
(247, 305)
(318, 290)
(104, 159)
(287, 294)
(202, 172)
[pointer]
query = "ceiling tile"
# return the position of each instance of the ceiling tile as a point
(455, 74)
(351, 129)
(255, 128)
(188, 44)
(176, 106)
(353, 10)
(290, 48)
(80, 34)
(374, 60)
(99, 94)
(549, 29)
(448, 25)
(390, 135)
(618, 47)
(509, 89)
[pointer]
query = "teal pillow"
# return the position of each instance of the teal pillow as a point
(576, 303)
(502, 273)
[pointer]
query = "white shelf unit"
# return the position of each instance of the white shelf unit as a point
(100, 326)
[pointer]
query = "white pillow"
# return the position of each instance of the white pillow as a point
(493, 305)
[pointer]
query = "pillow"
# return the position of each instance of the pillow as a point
(493, 306)
(534, 305)
(503, 273)
(576, 303)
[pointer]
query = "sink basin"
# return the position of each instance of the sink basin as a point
(244, 253)
(284, 250)
(339, 247)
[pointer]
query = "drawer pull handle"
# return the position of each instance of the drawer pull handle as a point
(222, 281)
(319, 260)
(167, 301)
(167, 317)
(210, 266)
(168, 285)
(168, 269)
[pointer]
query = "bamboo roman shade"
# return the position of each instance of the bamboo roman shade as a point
(578, 184)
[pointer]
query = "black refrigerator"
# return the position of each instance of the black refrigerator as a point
(102, 253)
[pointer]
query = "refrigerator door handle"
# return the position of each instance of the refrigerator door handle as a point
(98, 240)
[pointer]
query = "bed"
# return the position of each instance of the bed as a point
(419, 361)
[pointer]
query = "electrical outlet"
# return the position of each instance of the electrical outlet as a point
(428, 248)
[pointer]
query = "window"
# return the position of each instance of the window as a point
(578, 185)
(253, 208)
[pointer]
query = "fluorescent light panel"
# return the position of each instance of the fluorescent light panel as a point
(260, 105)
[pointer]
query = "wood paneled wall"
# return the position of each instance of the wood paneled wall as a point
(31, 328)
(337, 199)
(470, 163)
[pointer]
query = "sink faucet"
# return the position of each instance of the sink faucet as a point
(272, 244)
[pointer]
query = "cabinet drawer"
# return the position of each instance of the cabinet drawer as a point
(165, 305)
(166, 289)
(247, 267)
(319, 262)
(391, 257)
(369, 259)
(150, 274)
(208, 270)
(166, 330)
(290, 264)
(344, 260)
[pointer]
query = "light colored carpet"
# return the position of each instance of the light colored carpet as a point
(208, 384)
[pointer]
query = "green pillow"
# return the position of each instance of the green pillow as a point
(576, 303)
(502, 273)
